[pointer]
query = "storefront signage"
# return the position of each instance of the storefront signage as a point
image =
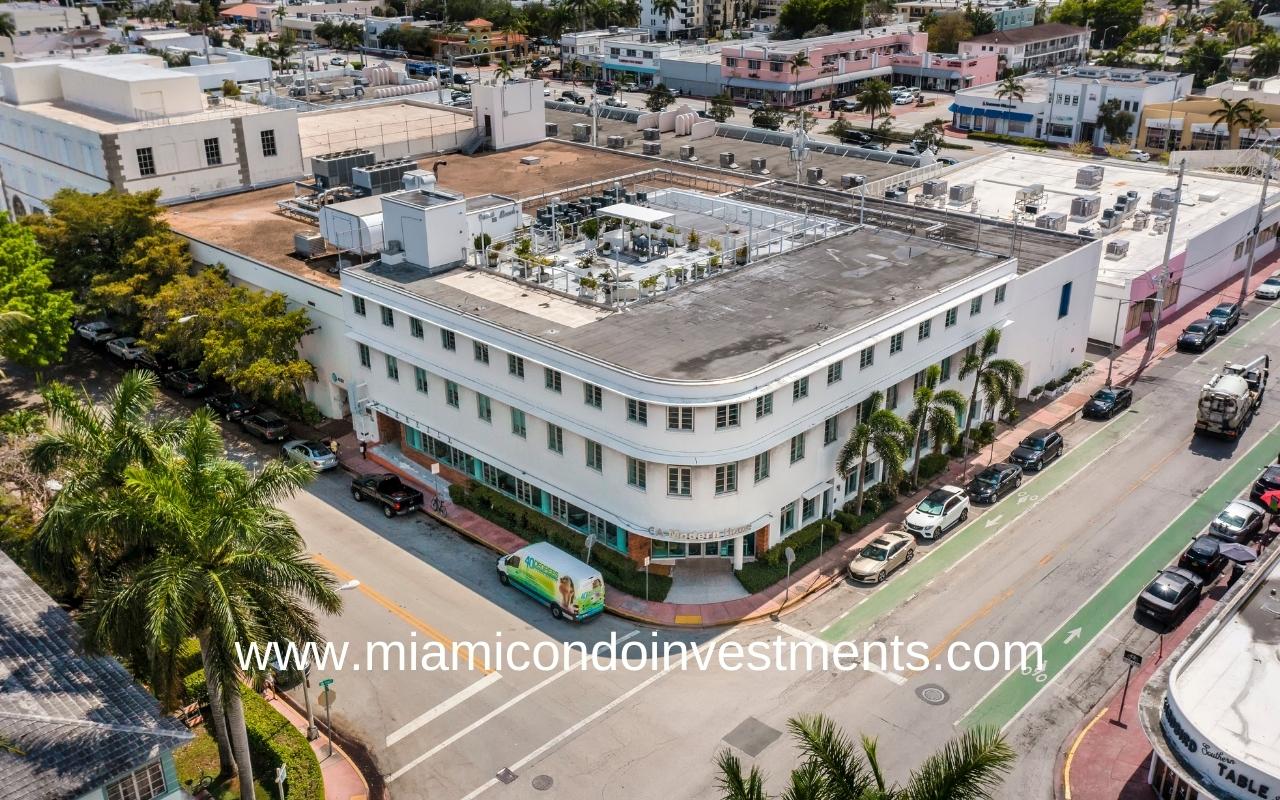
(674, 535)
(1214, 766)
(624, 60)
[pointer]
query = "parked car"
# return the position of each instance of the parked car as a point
(944, 508)
(266, 425)
(1198, 336)
(947, 161)
(546, 91)
(605, 89)
(157, 364)
(1037, 450)
(903, 99)
(230, 405)
(186, 382)
(338, 61)
(1226, 315)
(615, 102)
(1268, 481)
(461, 102)
(1238, 522)
(844, 104)
(1171, 595)
(1138, 155)
(125, 348)
(97, 332)
(886, 553)
(995, 482)
(387, 489)
(1106, 403)
(1268, 289)
(855, 137)
(571, 96)
(461, 78)
(1204, 556)
(311, 453)
(755, 105)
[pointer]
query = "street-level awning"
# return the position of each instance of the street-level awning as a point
(634, 213)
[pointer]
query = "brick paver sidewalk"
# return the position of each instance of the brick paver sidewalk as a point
(342, 781)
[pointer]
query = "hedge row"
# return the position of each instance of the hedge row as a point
(272, 741)
(617, 570)
(1021, 141)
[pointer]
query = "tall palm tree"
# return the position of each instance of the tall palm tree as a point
(580, 7)
(1232, 114)
(503, 71)
(970, 766)
(1011, 88)
(997, 378)
(875, 98)
(88, 447)
(1266, 57)
(606, 10)
(1256, 120)
(8, 28)
(883, 433)
(937, 412)
(229, 568)
(629, 10)
(798, 62)
(666, 9)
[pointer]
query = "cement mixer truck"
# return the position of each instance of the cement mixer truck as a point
(1231, 397)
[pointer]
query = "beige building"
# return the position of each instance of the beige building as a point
(1190, 124)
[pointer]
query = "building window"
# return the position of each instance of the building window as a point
(357, 304)
(636, 473)
(141, 784)
(679, 481)
(552, 379)
(592, 395)
(595, 456)
(923, 330)
(1064, 300)
(764, 405)
(809, 509)
(761, 470)
(891, 397)
(212, 153)
(867, 357)
(451, 394)
(830, 430)
(800, 389)
(726, 478)
(518, 423)
(797, 447)
(415, 328)
(787, 518)
(895, 343)
(515, 366)
(945, 367)
(999, 294)
(835, 372)
(679, 418)
(447, 340)
(975, 306)
(420, 379)
(388, 317)
(637, 411)
(727, 416)
(268, 138)
(393, 368)
(365, 360)
(481, 352)
(484, 408)
(146, 162)
(951, 317)
(555, 438)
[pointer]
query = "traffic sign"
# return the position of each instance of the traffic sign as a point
(326, 683)
(1133, 658)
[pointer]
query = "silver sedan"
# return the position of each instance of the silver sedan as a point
(313, 454)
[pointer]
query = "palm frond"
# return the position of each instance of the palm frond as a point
(969, 767)
(838, 762)
(733, 784)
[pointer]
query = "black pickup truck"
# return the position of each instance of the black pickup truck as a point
(387, 489)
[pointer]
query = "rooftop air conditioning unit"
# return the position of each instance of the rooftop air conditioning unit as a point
(813, 175)
(851, 181)
(553, 130)
(308, 244)
(727, 162)
(1028, 194)
(1257, 84)
(334, 169)
(960, 193)
(652, 134)
(686, 153)
(581, 132)
(758, 166)
(1117, 248)
(1161, 225)
(1164, 199)
(1210, 196)
(651, 148)
(1140, 220)
(934, 188)
(1053, 221)
(615, 142)
(1089, 177)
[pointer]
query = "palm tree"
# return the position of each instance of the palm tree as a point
(875, 98)
(1011, 88)
(575, 69)
(606, 10)
(937, 412)
(228, 568)
(998, 378)
(1256, 120)
(88, 447)
(970, 766)
(629, 10)
(503, 71)
(882, 432)
(8, 28)
(798, 62)
(1233, 115)
(666, 9)
(580, 7)
(1266, 57)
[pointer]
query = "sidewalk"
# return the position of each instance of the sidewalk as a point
(342, 780)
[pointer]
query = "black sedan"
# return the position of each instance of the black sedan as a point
(1226, 315)
(231, 406)
(267, 426)
(186, 382)
(1106, 403)
(995, 482)
(1198, 336)
(1268, 481)
(1171, 596)
(1204, 556)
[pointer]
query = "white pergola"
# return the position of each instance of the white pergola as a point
(634, 213)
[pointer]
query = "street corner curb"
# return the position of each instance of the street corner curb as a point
(1074, 738)
(365, 769)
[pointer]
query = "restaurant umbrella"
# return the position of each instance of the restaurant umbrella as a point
(1271, 500)
(1238, 553)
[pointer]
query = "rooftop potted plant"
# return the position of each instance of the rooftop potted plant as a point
(694, 241)
(587, 286)
(649, 285)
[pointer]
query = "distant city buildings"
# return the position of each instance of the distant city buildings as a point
(1005, 16)
(49, 29)
(1035, 48)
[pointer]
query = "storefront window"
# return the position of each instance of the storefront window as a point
(663, 549)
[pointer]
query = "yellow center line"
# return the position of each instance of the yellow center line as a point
(395, 609)
(977, 615)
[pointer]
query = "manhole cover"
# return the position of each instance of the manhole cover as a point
(542, 782)
(506, 776)
(752, 736)
(933, 694)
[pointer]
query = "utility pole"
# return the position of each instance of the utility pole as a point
(1252, 241)
(1168, 251)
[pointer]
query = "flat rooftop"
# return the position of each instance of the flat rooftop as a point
(100, 121)
(997, 179)
(841, 37)
(390, 129)
(1230, 688)
(744, 319)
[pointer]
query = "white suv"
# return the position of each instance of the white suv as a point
(942, 510)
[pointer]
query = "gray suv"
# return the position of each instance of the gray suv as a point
(1037, 450)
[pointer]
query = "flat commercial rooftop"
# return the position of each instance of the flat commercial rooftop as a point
(725, 326)
(997, 179)
(386, 128)
(100, 121)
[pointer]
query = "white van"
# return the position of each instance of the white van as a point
(550, 575)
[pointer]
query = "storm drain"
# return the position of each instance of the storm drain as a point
(752, 736)
(542, 782)
(506, 776)
(933, 694)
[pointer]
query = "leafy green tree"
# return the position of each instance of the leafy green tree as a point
(947, 31)
(767, 117)
(997, 378)
(980, 21)
(152, 262)
(177, 317)
(1266, 57)
(930, 134)
(841, 15)
(92, 234)
(1115, 120)
(1204, 57)
(935, 412)
(38, 317)
(1113, 18)
(721, 108)
(797, 16)
(875, 98)
(659, 97)
(969, 767)
(881, 432)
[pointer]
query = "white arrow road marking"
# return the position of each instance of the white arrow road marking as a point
(991, 523)
(1072, 635)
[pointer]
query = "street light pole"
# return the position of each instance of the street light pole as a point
(1168, 251)
(1115, 334)
(1252, 241)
